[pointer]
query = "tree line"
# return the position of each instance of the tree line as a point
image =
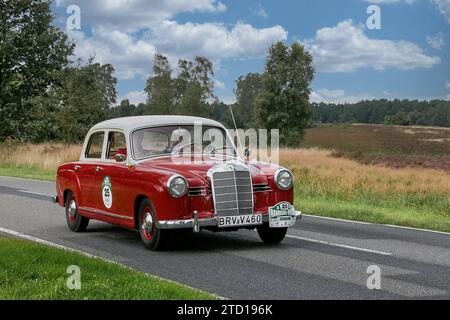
(382, 111)
(43, 94)
(275, 99)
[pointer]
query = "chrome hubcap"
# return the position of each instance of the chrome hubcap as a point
(72, 208)
(148, 223)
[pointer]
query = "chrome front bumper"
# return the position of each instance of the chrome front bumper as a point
(196, 224)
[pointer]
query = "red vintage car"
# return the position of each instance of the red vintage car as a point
(148, 173)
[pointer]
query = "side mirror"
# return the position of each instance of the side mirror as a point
(120, 157)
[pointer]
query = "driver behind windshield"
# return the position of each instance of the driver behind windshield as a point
(176, 140)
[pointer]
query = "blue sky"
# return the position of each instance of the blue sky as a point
(409, 57)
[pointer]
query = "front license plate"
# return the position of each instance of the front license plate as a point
(240, 221)
(282, 215)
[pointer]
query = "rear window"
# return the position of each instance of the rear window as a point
(95, 146)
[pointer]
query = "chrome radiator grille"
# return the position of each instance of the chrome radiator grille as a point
(233, 193)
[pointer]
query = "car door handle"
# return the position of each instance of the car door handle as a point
(77, 167)
(98, 169)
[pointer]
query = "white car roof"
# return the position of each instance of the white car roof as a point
(130, 123)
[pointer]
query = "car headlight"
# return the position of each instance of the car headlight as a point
(284, 179)
(177, 186)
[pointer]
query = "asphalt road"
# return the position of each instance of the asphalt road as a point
(320, 259)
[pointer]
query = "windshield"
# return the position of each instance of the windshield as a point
(181, 140)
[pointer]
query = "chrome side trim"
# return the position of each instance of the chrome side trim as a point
(259, 188)
(199, 192)
(104, 213)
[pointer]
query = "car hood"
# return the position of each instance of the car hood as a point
(195, 169)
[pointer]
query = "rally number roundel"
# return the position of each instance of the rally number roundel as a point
(107, 192)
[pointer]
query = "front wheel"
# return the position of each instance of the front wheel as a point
(153, 238)
(75, 221)
(271, 235)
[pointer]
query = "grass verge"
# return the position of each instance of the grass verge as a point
(30, 271)
(35, 161)
(346, 189)
(27, 172)
(374, 214)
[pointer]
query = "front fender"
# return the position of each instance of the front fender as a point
(153, 186)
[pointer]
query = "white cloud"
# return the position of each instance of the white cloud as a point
(346, 48)
(133, 56)
(127, 34)
(135, 97)
(214, 40)
(229, 99)
(337, 96)
(260, 11)
(130, 56)
(436, 42)
(219, 84)
(444, 8)
(132, 15)
(448, 84)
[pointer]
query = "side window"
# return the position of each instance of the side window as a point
(116, 145)
(95, 146)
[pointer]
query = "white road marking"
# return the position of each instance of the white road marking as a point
(89, 255)
(36, 193)
(340, 245)
(336, 219)
(376, 224)
(416, 229)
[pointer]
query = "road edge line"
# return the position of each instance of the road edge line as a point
(339, 245)
(376, 224)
